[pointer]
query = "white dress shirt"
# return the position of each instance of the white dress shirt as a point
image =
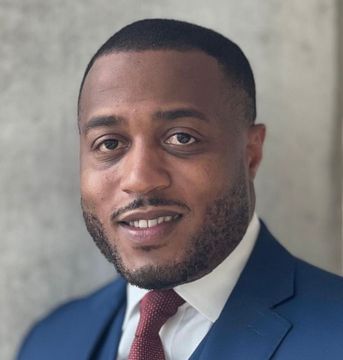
(204, 300)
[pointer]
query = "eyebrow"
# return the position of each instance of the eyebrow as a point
(180, 113)
(101, 121)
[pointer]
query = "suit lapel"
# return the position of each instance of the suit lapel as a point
(248, 327)
(99, 318)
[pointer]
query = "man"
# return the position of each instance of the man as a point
(169, 153)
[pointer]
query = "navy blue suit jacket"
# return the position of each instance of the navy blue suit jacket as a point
(281, 308)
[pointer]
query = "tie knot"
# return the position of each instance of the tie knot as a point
(156, 307)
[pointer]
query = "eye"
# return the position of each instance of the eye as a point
(108, 145)
(181, 139)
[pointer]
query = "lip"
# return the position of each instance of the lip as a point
(147, 215)
(155, 236)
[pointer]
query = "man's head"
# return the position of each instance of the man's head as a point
(169, 150)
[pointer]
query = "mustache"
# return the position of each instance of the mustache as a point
(143, 202)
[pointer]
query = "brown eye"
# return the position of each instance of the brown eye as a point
(108, 145)
(181, 139)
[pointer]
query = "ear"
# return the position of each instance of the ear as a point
(256, 135)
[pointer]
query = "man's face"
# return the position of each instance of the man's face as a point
(167, 164)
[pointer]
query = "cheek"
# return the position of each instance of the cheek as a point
(97, 189)
(210, 177)
(202, 183)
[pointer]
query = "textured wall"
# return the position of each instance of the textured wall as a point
(46, 255)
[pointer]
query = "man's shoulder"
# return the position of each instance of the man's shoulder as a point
(68, 324)
(315, 315)
(73, 311)
(314, 276)
(318, 288)
(304, 293)
(308, 279)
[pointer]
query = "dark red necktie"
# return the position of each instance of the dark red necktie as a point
(156, 307)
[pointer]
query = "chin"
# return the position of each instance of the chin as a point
(154, 275)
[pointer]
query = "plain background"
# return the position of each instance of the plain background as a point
(46, 256)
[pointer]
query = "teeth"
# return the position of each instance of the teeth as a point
(152, 222)
(143, 224)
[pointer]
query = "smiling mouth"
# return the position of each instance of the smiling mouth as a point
(150, 223)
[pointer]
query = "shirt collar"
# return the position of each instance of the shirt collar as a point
(219, 283)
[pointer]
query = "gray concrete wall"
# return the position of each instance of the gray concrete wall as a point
(46, 255)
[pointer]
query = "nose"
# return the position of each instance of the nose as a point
(143, 170)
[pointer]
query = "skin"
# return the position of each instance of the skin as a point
(133, 160)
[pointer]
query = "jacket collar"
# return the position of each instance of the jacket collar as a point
(248, 327)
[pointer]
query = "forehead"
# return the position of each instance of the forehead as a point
(155, 77)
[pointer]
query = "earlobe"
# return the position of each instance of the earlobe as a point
(256, 136)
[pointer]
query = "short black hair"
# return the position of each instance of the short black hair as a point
(167, 34)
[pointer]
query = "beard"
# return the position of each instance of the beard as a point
(224, 225)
